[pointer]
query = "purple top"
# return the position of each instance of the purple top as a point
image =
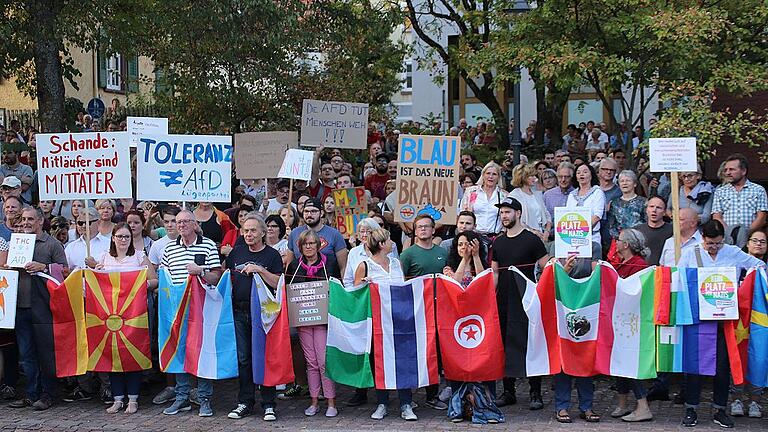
(555, 198)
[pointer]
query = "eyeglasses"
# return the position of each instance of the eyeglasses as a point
(121, 237)
(714, 244)
(758, 241)
(82, 223)
(185, 221)
(312, 211)
(310, 243)
(273, 226)
(564, 177)
(688, 176)
(608, 169)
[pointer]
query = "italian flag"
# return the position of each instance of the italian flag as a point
(349, 335)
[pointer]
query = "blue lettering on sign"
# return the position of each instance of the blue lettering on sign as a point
(186, 153)
(443, 153)
(207, 180)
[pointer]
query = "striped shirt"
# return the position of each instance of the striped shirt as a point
(177, 256)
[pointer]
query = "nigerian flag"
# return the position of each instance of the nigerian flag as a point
(349, 335)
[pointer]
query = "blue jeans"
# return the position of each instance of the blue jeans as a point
(183, 385)
(405, 396)
(38, 384)
(624, 385)
(563, 392)
(720, 384)
(247, 389)
(125, 383)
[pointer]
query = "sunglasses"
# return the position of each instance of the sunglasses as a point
(82, 223)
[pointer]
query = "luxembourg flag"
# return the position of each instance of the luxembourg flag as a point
(404, 334)
(211, 351)
(271, 339)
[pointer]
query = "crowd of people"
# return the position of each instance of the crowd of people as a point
(505, 218)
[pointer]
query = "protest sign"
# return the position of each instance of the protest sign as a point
(351, 207)
(20, 249)
(427, 178)
(573, 232)
(138, 126)
(83, 165)
(334, 124)
(9, 285)
(672, 154)
(297, 165)
(308, 303)
(259, 155)
(184, 168)
(717, 293)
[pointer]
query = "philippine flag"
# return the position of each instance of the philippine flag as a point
(404, 334)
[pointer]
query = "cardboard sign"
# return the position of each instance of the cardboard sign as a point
(672, 154)
(138, 126)
(20, 249)
(184, 168)
(351, 207)
(307, 303)
(297, 165)
(334, 124)
(9, 286)
(83, 165)
(427, 178)
(260, 155)
(573, 232)
(718, 293)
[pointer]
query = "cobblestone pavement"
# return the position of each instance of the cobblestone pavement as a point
(90, 416)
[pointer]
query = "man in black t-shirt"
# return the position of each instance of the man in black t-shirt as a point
(252, 256)
(523, 249)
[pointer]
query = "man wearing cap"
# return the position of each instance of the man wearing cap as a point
(273, 205)
(523, 249)
(76, 250)
(376, 182)
(13, 167)
(11, 186)
(331, 241)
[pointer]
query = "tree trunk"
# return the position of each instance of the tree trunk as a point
(550, 105)
(499, 118)
(48, 71)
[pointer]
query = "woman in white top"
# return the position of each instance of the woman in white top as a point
(588, 194)
(482, 198)
(359, 253)
(276, 236)
(123, 256)
(535, 215)
(381, 267)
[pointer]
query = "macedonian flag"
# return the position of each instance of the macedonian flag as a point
(67, 322)
(116, 321)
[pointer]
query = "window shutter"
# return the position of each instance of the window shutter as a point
(161, 83)
(133, 74)
(101, 59)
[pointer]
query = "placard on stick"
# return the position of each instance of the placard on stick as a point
(672, 154)
(21, 248)
(138, 126)
(573, 232)
(307, 303)
(259, 155)
(351, 207)
(427, 178)
(334, 124)
(297, 165)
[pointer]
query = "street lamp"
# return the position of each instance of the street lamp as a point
(520, 6)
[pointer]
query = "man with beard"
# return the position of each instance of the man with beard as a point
(331, 241)
(469, 164)
(13, 167)
(523, 249)
(376, 182)
(739, 201)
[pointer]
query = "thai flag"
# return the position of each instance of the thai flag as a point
(271, 338)
(404, 334)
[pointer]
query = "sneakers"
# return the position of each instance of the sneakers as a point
(360, 398)
(690, 419)
(435, 403)
(42, 404)
(755, 410)
(536, 402)
(20, 403)
(77, 395)
(311, 410)
(506, 398)
(7, 392)
(205, 408)
(177, 407)
(193, 398)
(406, 413)
(166, 395)
(269, 414)
(331, 412)
(445, 394)
(106, 395)
(381, 412)
(737, 408)
(294, 391)
(722, 419)
(240, 411)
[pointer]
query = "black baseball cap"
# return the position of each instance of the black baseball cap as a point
(512, 203)
(314, 202)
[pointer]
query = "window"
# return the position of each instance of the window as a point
(114, 73)
(407, 75)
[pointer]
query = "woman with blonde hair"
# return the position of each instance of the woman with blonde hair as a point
(482, 199)
(106, 209)
(535, 214)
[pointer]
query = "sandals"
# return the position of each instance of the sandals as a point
(589, 416)
(564, 418)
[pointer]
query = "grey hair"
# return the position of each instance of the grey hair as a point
(629, 174)
(369, 223)
(608, 160)
(567, 165)
(635, 240)
(39, 215)
(259, 221)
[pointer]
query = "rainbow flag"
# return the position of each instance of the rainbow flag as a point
(116, 321)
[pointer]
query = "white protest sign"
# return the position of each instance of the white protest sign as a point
(20, 249)
(573, 232)
(672, 154)
(83, 165)
(9, 287)
(717, 291)
(184, 168)
(297, 165)
(138, 126)
(334, 124)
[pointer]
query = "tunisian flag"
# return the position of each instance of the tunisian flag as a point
(468, 329)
